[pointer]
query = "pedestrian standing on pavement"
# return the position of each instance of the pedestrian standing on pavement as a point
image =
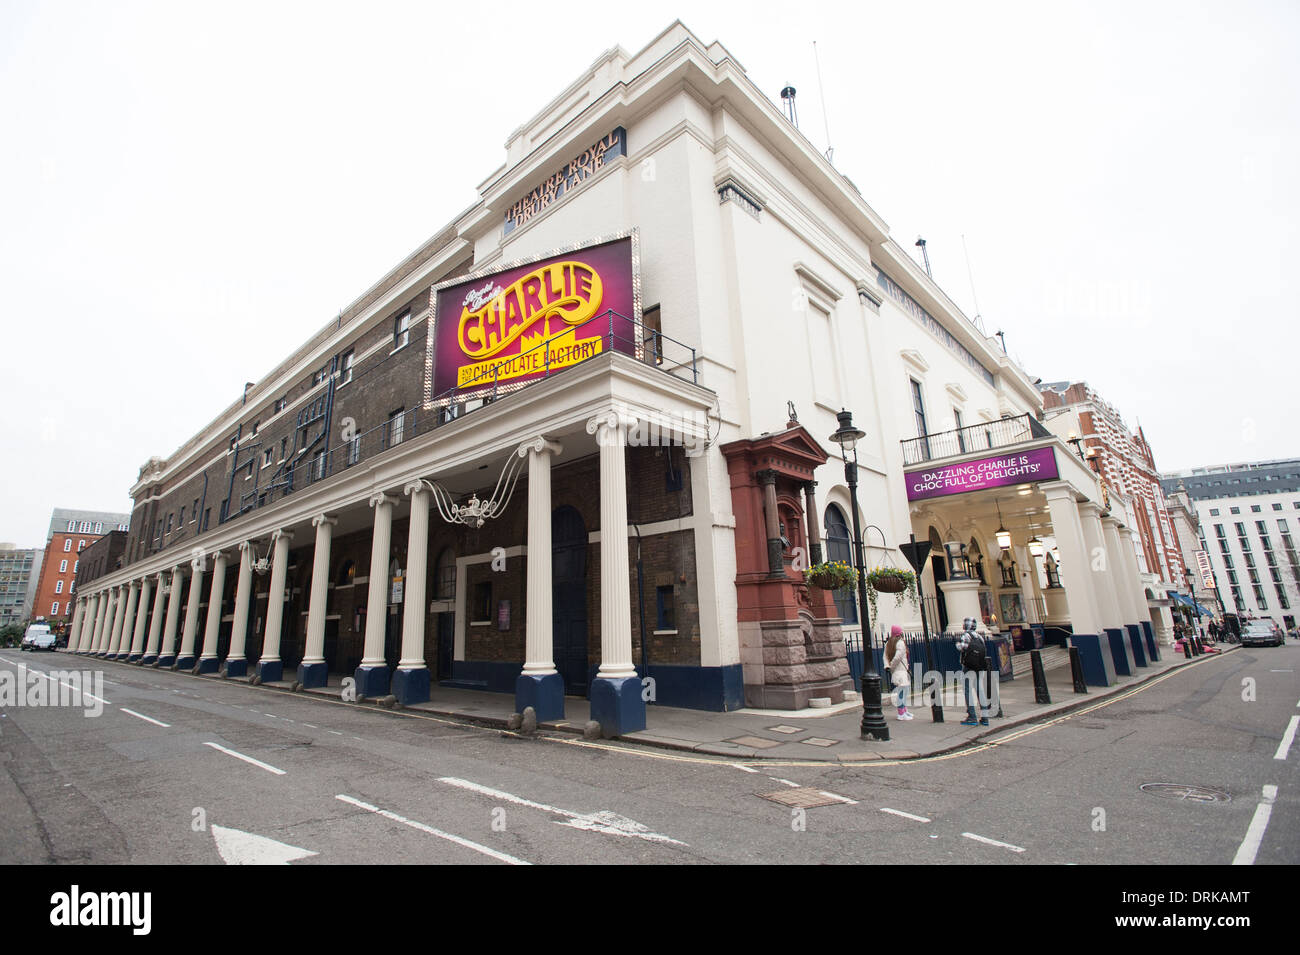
(974, 655)
(896, 664)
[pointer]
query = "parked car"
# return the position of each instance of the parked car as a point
(1260, 633)
(39, 637)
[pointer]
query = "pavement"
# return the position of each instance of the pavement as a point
(826, 734)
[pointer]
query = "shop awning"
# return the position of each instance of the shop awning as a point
(1189, 602)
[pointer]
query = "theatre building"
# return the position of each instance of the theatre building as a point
(578, 443)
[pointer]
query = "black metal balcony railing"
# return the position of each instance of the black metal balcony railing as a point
(665, 353)
(985, 436)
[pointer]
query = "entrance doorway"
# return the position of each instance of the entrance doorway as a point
(569, 598)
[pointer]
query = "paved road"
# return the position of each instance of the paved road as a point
(176, 768)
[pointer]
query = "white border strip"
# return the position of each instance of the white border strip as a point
(501, 856)
(992, 842)
(1255, 834)
(1288, 738)
(248, 759)
(147, 719)
(905, 815)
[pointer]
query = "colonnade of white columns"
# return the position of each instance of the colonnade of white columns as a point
(114, 620)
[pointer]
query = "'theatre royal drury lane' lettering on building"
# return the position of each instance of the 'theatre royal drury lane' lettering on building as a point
(517, 324)
(585, 165)
(1036, 465)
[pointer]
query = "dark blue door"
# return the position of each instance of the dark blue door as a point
(569, 598)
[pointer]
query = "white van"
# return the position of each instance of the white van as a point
(39, 636)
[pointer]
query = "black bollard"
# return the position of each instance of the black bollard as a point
(1041, 694)
(1076, 671)
(990, 674)
(1187, 649)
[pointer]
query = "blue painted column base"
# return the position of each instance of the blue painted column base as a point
(411, 685)
(1119, 652)
(237, 667)
(185, 663)
(133, 658)
(146, 660)
(270, 671)
(544, 693)
(372, 681)
(616, 705)
(166, 661)
(312, 675)
(1149, 635)
(1098, 669)
(1135, 641)
(209, 664)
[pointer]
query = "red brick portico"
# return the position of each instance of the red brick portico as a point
(791, 647)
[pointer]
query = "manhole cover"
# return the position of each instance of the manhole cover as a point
(803, 797)
(1185, 793)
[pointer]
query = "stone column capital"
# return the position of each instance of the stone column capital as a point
(320, 519)
(245, 547)
(379, 497)
(280, 533)
(614, 420)
(1057, 490)
(766, 476)
(541, 445)
(413, 488)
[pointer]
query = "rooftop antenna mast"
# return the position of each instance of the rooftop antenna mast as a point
(787, 98)
(920, 243)
(821, 91)
(979, 322)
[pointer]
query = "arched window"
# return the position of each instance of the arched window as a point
(838, 547)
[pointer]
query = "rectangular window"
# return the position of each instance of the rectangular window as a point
(266, 457)
(72, 526)
(666, 612)
(653, 335)
(401, 330)
(345, 367)
(1277, 507)
(354, 450)
(81, 545)
(75, 564)
(918, 406)
(58, 586)
(1214, 512)
(99, 526)
(54, 608)
(63, 566)
(396, 427)
(284, 447)
(482, 602)
(181, 522)
(281, 404)
(961, 435)
(318, 465)
(207, 512)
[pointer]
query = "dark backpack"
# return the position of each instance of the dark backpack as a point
(975, 655)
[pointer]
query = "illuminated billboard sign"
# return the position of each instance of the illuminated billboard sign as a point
(981, 474)
(496, 331)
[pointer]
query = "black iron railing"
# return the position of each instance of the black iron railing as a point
(973, 438)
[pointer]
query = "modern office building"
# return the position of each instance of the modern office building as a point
(71, 531)
(19, 573)
(1249, 515)
(580, 441)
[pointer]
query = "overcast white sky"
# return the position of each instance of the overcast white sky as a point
(188, 190)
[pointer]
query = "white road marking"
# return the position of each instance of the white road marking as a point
(992, 842)
(310, 726)
(237, 847)
(336, 732)
(248, 759)
(603, 821)
(844, 799)
(744, 769)
(1287, 738)
(501, 856)
(783, 781)
(147, 719)
(1255, 834)
(905, 815)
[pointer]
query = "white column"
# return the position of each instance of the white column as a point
(142, 615)
(101, 612)
(128, 621)
(314, 654)
(74, 629)
(1100, 564)
(417, 562)
(1068, 531)
(113, 621)
(539, 651)
(156, 621)
(212, 623)
(1118, 569)
(167, 656)
(119, 618)
(236, 665)
(1137, 600)
(270, 663)
(611, 429)
(191, 626)
(377, 599)
(87, 618)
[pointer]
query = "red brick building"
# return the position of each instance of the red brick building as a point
(70, 533)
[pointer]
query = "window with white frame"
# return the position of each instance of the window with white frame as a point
(58, 586)
(67, 545)
(63, 566)
(345, 367)
(396, 427)
(402, 330)
(54, 609)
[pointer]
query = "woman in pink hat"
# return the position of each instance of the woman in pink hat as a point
(896, 664)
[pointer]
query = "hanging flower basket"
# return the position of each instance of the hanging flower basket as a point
(831, 575)
(888, 583)
(891, 580)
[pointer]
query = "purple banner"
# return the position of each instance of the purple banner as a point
(983, 473)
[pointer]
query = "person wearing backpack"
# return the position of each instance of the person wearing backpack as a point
(974, 657)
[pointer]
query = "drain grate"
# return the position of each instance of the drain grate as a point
(1184, 793)
(804, 797)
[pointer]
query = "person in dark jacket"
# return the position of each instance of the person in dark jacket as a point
(974, 654)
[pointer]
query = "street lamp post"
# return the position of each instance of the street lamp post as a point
(1187, 575)
(873, 718)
